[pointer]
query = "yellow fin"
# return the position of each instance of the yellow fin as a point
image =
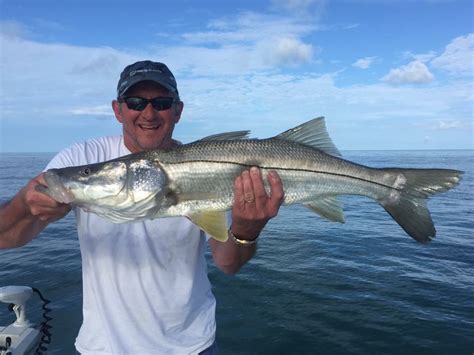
(211, 222)
(328, 207)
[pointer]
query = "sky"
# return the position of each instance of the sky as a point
(386, 74)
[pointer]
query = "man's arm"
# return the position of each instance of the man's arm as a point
(252, 209)
(27, 214)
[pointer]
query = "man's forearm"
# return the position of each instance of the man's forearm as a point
(27, 214)
(229, 256)
(17, 225)
(21, 233)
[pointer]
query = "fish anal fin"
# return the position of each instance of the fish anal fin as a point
(212, 222)
(328, 207)
(312, 133)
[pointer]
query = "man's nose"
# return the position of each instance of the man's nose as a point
(149, 112)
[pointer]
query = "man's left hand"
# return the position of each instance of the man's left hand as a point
(253, 207)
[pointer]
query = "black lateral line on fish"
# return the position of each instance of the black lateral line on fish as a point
(281, 168)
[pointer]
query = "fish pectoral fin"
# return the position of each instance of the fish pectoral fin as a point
(328, 207)
(211, 222)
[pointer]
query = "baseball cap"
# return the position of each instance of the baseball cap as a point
(146, 70)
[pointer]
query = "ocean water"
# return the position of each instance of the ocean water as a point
(314, 287)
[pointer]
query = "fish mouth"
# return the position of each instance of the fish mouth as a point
(55, 188)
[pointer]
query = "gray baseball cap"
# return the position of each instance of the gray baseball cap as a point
(146, 70)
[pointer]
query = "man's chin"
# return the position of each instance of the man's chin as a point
(157, 144)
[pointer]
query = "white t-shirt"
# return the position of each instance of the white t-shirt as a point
(145, 284)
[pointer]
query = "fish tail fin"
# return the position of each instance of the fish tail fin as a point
(407, 203)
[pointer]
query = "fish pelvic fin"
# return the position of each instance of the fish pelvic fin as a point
(329, 207)
(312, 133)
(408, 204)
(212, 222)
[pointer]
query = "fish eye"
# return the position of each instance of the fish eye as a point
(86, 171)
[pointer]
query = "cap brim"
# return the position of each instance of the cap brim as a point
(150, 77)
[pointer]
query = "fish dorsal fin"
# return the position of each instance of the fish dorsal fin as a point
(226, 136)
(312, 133)
(329, 207)
(211, 222)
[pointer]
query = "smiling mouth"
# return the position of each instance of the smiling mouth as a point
(149, 127)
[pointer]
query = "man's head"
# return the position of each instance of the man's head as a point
(146, 70)
(147, 105)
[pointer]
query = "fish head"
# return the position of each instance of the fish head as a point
(87, 184)
(121, 190)
(147, 179)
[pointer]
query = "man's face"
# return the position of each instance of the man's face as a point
(147, 129)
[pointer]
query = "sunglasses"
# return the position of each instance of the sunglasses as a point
(139, 103)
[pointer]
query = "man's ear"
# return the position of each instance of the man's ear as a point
(117, 107)
(178, 111)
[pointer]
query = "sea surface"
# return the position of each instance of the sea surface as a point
(315, 287)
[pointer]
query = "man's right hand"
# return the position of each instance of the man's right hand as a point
(41, 205)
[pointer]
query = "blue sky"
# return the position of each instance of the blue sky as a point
(386, 74)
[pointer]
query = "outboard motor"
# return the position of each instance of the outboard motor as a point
(23, 337)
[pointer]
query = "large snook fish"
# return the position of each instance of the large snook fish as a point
(196, 180)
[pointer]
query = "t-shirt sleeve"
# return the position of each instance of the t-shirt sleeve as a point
(70, 156)
(89, 152)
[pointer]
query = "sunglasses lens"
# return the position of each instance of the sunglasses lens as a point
(139, 104)
(162, 103)
(136, 103)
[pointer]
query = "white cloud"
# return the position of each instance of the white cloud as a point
(252, 41)
(49, 25)
(452, 124)
(250, 27)
(415, 72)
(423, 57)
(458, 57)
(104, 61)
(212, 84)
(301, 8)
(289, 51)
(364, 63)
(350, 26)
(101, 110)
(48, 80)
(239, 81)
(13, 29)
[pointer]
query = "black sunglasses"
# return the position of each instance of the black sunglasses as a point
(139, 103)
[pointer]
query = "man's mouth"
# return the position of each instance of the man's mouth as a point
(148, 127)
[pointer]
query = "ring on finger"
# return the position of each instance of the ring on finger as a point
(249, 199)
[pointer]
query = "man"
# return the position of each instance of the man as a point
(145, 284)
